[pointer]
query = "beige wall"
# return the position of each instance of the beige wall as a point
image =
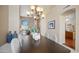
(43, 22)
(9, 21)
(43, 26)
(53, 15)
(77, 28)
(24, 9)
(14, 20)
(3, 23)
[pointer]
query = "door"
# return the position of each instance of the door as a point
(70, 20)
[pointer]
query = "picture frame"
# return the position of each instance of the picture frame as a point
(51, 24)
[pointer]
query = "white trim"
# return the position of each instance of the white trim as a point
(72, 50)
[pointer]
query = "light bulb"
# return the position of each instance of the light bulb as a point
(38, 9)
(67, 19)
(41, 9)
(31, 12)
(32, 7)
(34, 17)
(28, 13)
(42, 16)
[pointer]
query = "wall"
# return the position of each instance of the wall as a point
(77, 28)
(14, 20)
(43, 22)
(24, 9)
(70, 23)
(3, 23)
(43, 25)
(53, 33)
(9, 21)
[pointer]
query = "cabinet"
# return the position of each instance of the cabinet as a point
(69, 35)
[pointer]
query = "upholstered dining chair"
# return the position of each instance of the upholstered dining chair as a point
(15, 45)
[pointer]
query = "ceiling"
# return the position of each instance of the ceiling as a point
(47, 8)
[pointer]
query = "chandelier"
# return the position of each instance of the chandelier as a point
(36, 12)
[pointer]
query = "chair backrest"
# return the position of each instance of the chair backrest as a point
(15, 45)
(26, 42)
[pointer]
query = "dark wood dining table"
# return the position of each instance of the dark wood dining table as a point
(44, 45)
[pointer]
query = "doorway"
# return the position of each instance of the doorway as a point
(70, 23)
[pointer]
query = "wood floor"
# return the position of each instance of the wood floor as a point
(45, 46)
(70, 43)
(69, 40)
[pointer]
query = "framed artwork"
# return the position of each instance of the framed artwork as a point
(24, 24)
(51, 24)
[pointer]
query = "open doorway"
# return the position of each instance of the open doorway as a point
(70, 23)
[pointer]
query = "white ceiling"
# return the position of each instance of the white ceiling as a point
(24, 8)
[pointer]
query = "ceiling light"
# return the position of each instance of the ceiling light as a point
(32, 7)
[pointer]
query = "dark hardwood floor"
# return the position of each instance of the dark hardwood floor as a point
(70, 43)
(69, 40)
(45, 46)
